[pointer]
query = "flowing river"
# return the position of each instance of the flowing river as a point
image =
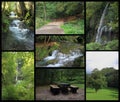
(19, 36)
(60, 59)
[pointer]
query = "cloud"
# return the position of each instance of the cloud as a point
(101, 60)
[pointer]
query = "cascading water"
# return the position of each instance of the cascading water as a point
(20, 63)
(62, 59)
(21, 34)
(102, 28)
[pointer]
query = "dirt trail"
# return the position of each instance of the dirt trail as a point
(43, 93)
(51, 28)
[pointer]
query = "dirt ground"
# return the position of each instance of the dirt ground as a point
(51, 28)
(43, 93)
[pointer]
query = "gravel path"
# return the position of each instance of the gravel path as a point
(43, 93)
(51, 28)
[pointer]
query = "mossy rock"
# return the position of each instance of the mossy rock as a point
(52, 61)
(93, 46)
(79, 62)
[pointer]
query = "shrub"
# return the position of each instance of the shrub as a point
(112, 45)
(93, 46)
(74, 27)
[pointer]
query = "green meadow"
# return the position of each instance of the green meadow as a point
(102, 94)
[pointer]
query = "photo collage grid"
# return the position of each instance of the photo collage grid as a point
(57, 50)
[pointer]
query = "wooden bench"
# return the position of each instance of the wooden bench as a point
(54, 89)
(73, 88)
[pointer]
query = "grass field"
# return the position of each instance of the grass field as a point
(102, 94)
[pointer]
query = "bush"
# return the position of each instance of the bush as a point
(40, 22)
(42, 52)
(74, 27)
(9, 93)
(93, 46)
(112, 45)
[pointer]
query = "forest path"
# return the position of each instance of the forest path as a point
(51, 28)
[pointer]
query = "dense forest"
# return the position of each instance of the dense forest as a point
(17, 25)
(102, 25)
(56, 51)
(17, 76)
(55, 76)
(107, 80)
(70, 13)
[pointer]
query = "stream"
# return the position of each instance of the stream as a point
(60, 59)
(19, 36)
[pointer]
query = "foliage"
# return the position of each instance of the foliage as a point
(40, 22)
(93, 46)
(74, 27)
(98, 81)
(57, 9)
(111, 45)
(48, 39)
(21, 89)
(56, 76)
(42, 52)
(24, 11)
(105, 78)
(93, 18)
(111, 77)
(46, 11)
(5, 24)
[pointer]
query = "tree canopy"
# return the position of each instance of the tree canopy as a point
(21, 88)
(55, 76)
(107, 77)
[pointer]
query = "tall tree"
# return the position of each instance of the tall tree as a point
(23, 9)
(98, 81)
(45, 14)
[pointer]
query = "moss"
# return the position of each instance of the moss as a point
(44, 51)
(52, 61)
(79, 62)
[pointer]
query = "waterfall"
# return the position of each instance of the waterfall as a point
(101, 27)
(109, 34)
(16, 78)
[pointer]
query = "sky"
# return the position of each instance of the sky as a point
(100, 60)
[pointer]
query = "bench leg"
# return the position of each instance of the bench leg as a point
(74, 90)
(55, 91)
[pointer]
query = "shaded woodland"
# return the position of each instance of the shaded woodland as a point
(102, 25)
(17, 25)
(17, 76)
(55, 77)
(70, 13)
(48, 45)
(23, 10)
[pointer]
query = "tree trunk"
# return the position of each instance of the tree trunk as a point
(4, 4)
(44, 6)
(23, 9)
(48, 40)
